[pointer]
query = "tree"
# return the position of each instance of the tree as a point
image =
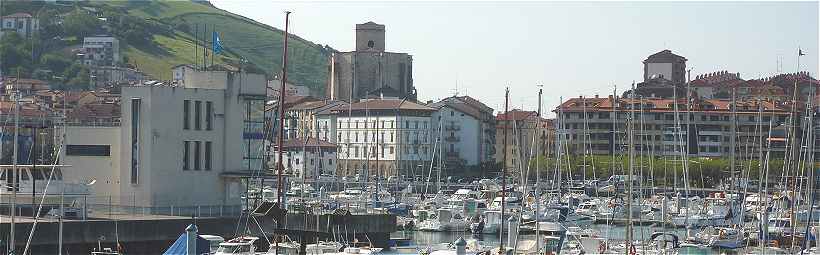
(81, 24)
(55, 63)
(15, 53)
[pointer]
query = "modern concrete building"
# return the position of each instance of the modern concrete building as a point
(467, 131)
(178, 72)
(308, 158)
(390, 137)
(665, 64)
(370, 71)
(22, 23)
(183, 146)
(93, 155)
(101, 51)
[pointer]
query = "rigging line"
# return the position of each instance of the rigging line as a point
(42, 200)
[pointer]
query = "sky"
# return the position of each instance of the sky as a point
(571, 48)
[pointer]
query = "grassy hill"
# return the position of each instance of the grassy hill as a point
(173, 40)
(243, 38)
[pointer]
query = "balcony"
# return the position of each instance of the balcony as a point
(452, 127)
(451, 139)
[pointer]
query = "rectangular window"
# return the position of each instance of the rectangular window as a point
(185, 155)
(186, 111)
(208, 156)
(197, 114)
(391, 137)
(136, 103)
(88, 150)
(197, 155)
(391, 150)
(209, 111)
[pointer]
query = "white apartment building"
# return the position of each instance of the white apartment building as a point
(101, 50)
(22, 23)
(191, 145)
(467, 131)
(308, 158)
(386, 137)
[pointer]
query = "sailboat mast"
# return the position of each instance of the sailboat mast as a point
(280, 167)
(279, 164)
(537, 177)
(504, 170)
(630, 132)
(14, 162)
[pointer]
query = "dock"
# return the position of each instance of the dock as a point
(152, 234)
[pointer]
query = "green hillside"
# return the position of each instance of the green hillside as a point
(165, 36)
(242, 38)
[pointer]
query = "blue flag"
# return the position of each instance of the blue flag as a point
(217, 44)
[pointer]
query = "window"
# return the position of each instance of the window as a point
(253, 133)
(135, 145)
(391, 150)
(391, 137)
(356, 137)
(186, 111)
(197, 155)
(185, 152)
(425, 124)
(406, 124)
(391, 124)
(330, 162)
(357, 124)
(208, 156)
(416, 124)
(209, 110)
(88, 150)
(197, 113)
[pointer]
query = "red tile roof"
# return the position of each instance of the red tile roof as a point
(516, 115)
(389, 104)
(310, 143)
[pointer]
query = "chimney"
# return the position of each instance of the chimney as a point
(596, 95)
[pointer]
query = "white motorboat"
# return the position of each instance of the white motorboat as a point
(243, 245)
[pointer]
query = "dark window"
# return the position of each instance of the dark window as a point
(208, 156)
(185, 158)
(186, 110)
(88, 150)
(196, 155)
(197, 114)
(135, 145)
(209, 111)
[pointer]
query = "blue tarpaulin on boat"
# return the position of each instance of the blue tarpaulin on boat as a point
(180, 247)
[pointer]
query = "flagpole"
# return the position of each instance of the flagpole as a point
(205, 48)
(196, 46)
(213, 44)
